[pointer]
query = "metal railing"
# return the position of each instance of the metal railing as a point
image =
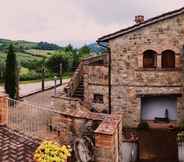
(33, 120)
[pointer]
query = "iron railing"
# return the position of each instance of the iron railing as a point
(33, 120)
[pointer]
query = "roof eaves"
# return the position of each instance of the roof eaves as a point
(150, 21)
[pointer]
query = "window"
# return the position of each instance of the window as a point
(168, 59)
(149, 59)
(98, 98)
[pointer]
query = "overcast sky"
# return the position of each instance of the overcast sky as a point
(74, 21)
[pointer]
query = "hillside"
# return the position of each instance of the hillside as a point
(4, 44)
(31, 56)
(95, 48)
(27, 51)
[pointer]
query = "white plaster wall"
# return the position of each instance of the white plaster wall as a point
(155, 107)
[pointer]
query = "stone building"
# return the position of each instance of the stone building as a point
(141, 76)
(146, 71)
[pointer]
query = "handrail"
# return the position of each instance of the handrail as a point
(78, 74)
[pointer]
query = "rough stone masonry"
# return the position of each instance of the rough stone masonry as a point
(130, 80)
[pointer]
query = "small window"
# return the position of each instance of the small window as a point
(149, 59)
(98, 98)
(168, 59)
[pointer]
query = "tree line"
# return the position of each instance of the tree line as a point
(68, 56)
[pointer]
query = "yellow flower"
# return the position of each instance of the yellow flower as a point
(50, 151)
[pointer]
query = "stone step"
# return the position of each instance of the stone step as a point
(80, 88)
(79, 93)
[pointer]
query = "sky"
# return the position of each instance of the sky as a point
(74, 21)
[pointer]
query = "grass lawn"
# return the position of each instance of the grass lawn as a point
(65, 76)
(42, 53)
(21, 57)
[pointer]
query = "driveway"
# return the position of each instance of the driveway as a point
(26, 89)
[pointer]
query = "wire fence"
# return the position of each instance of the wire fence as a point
(33, 120)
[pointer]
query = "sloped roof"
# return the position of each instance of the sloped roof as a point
(15, 147)
(141, 25)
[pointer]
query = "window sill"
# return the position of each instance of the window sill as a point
(159, 69)
(98, 102)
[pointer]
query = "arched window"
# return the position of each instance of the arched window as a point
(168, 59)
(149, 59)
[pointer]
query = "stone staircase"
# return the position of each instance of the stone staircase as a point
(75, 87)
(79, 92)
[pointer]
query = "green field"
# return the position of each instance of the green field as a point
(34, 57)
(20, 57)
(42, 53)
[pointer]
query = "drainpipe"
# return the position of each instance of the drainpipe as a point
(109, 73)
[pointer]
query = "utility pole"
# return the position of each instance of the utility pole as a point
(43, 77)
(61, 73)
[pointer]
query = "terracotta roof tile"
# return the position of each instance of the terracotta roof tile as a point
(15, 147)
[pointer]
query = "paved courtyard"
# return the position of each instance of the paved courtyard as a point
(45, 98)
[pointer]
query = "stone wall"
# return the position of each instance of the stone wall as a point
(96, 82)
(107, 140)
(129, 77)
(93, 136)
(103, 133)
(63, 103)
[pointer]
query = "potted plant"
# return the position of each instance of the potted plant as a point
(180, 140)
(50, 151)
(129, 145)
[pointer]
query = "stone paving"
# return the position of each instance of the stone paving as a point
(45, 98)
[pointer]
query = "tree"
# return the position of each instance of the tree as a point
(11, 73)
(84, 52)
(69, 48)
(54, 61)
(2, 70)
(76, 60)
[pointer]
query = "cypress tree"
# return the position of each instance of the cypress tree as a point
(11, 73)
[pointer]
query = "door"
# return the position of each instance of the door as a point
(152, 107)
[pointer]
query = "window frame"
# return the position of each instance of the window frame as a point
(152, 65)
(168, 54)
(98, 98)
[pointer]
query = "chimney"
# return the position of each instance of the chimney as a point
(139, 19)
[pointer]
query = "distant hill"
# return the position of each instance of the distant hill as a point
(21, 45)
(94, 47)
(27, 51)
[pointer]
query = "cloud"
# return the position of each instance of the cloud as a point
(73, 21)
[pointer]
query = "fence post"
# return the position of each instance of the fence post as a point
(43, 78)
(61, 73)
(3, 109)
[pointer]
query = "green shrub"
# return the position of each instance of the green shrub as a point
(143, 126)
(30, 75)
(180, 136)
(181, 125)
